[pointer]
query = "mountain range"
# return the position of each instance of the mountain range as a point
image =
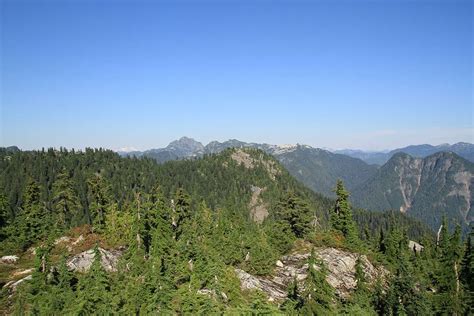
(423, 181)
(465, 150)
(317, 168)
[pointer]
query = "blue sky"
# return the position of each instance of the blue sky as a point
(340, 74)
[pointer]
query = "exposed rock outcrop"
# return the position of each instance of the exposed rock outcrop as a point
(340, 264)
(241, 157)
(12, 285)
(83, 261)
(9, 259)
(258, 208)
(274, 290)
(415, 246)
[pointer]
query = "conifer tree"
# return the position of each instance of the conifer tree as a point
(296, 213)
(136, 253)
(181, 211)
(379, 298)
(467, 273)
(65, 201)
(404, 298)
(41, 270)
(381, 246)
(360, 301)
(99, 201)
(60, 292)
(33, 221)
(319, 295)
(4, 216)
(153, 211)
(448, 298)
(294, 301)
(360, 276)
(38, 287)
(395, 244)
(64, 276)
(94, 289)
(117, 225)
(341, 216)
(158, 207)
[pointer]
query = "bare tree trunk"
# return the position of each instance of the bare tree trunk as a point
(458, 286)
(437, 236)
(139, 239)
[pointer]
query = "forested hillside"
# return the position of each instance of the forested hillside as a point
(319, 169)
(425, 188)
(185, 237)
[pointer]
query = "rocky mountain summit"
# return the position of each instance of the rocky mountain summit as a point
(185, 147)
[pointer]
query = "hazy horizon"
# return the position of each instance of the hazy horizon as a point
(131, 148)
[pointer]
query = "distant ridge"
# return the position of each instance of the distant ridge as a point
(465, 150)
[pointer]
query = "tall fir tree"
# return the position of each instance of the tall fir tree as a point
(467, 273)
(33, 221)
(4, 214)
(448, 298)
(66, 204)
(341, 215)
(117, 224)
(181, 211)
(94, 292)
(99, 201)
(403, 297)
(319, 297)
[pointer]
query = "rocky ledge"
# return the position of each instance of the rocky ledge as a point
(341, 269)
(83, 261)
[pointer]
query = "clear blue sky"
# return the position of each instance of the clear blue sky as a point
(340, 74)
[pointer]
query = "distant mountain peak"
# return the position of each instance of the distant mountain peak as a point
(185, 147)
(185, 141)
